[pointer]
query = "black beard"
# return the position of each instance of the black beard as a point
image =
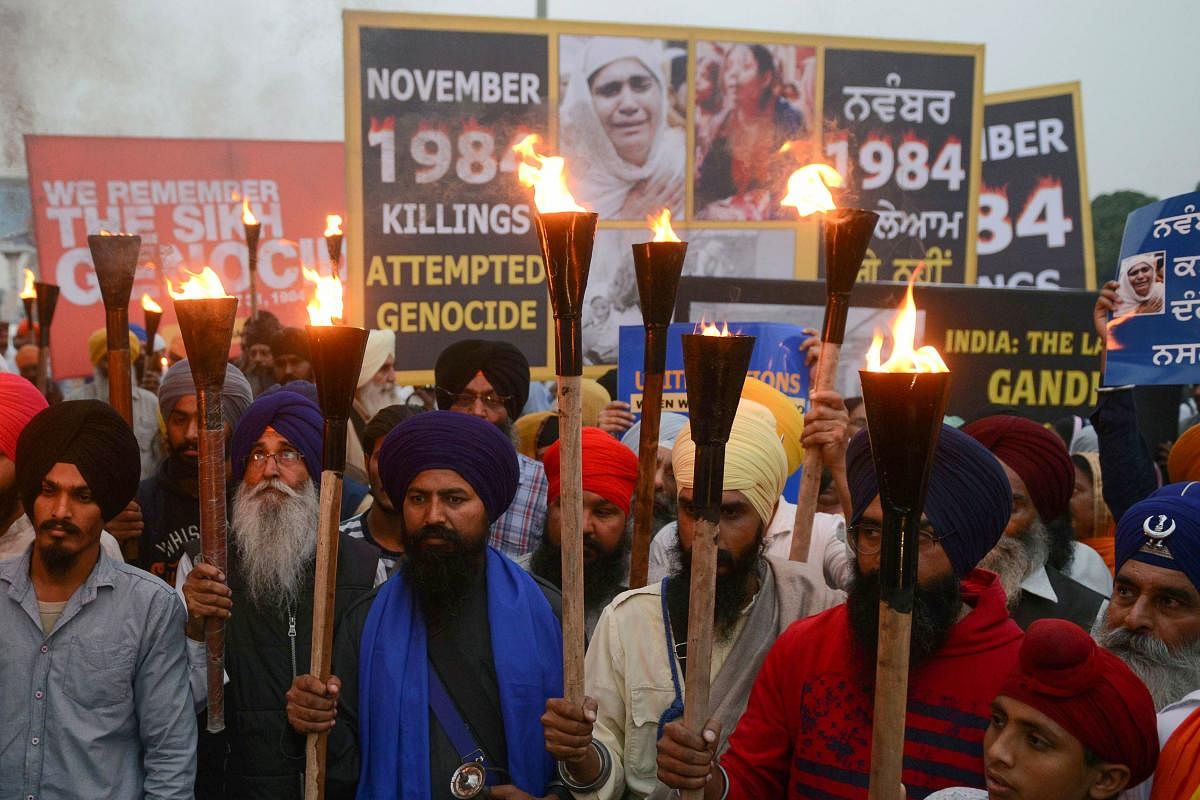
(57, 561)
(731, 594)
(184, 467)
(603, 576)
(441, 576)
(935, 610)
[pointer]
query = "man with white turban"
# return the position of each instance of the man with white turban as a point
(634, 667)
(626, 161)
(376, 391)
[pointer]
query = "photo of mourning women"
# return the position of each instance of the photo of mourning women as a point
(751, 99)
(1141, 285)
(621, 129)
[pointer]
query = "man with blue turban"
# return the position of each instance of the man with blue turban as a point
(442, 677)
(169, 498)
(807, 727)
(275, 456)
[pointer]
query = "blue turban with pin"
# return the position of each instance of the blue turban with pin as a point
(968, 502)
(462, 443)
(1163, 530)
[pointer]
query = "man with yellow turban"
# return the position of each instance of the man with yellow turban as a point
(635, 662)
(146, 425)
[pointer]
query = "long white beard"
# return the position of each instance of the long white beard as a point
(375, 397)
(275, 538)
(1168, 674)
(1015, 558)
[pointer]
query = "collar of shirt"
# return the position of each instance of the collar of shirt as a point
(15, 573)
(1038, 583)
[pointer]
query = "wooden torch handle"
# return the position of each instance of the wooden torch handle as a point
(570, 414)
(810, 478)
(322, 635)
(643, 516)
(891, 703)
(700, 631)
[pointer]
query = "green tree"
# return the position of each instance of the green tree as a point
(1108, 224)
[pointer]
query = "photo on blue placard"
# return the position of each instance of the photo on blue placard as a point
(1142, 284)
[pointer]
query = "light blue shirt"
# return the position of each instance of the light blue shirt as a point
(101, 706)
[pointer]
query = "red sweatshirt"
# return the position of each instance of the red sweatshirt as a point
(806, 732)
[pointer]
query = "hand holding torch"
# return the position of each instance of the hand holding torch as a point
(47, 300)
(905, 400)
(658, 265)
(206, 316)
(714, 365)
(845, 234)
(336, 353)
(566, 232)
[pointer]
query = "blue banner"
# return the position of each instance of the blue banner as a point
(1154, 333)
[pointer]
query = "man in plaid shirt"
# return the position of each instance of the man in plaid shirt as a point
(491, 380)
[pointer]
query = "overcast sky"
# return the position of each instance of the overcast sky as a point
(155, 68)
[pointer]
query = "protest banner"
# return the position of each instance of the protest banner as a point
(905, 138)
(1153, 335)
(1024, 349)
(442, 247)
(184, 198)
(1035, 218)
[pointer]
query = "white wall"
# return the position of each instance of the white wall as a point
(273, 68)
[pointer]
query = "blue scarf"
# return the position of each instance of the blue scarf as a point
(394, 684)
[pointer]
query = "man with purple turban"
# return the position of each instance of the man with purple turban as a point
(1038, 547)
(443, 676)
(275, 457)
(806, 731)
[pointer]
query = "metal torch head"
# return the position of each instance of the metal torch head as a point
(115, 258)
(333, 243)
(567, 238)
(846, 233)
(207, 328)
(904, 419)
(336, 354)
(715, 369)
(253, 231)
(47, 300)
(153, 318)
(28, 303)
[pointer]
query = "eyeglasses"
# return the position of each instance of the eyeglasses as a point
(284, 458)
(866, 538)
(465, 400)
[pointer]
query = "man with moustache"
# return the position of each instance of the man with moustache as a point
(1042, 478)
(637, 659)
(276, 463)
(490, 380)
(665, 489)
(289, 351)
(169, 499)
(806, 731)
(19, 402)
(609, 480)
(445, 672)
(381, 523)
(1153, 619)
(94, 678)
(257, 361)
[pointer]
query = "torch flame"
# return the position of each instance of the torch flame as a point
(163, 363)
(904, 333)
(148, 304)
(333, 225)
(28, 293)
(550, 193)
(326, 305)
(711, 329)
(199, 286)
(807, 189)
(248, 217)
(661, 226)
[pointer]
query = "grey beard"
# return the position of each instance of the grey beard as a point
(374, 397)
(1168, 674)
(1015, 558)
(275, 539)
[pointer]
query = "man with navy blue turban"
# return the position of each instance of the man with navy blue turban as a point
(275, 462)
(454, 658)
(806, 731)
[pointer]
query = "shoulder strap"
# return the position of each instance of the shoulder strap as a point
(452, 723)
(675, 710)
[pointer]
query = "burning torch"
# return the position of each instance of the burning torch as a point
(336, 352)
(253, 229)
(658, 265)
(206, 314)
(905, 400)
(28, 298)
(115, 258)
(845, 234)
(47, 299)
(153, 316)
(714, 366)
(333, 241)
(566, 232)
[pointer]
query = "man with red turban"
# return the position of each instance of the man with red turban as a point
(1072, 722)
(1037, 548)
(609, 479)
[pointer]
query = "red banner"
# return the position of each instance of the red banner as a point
(184, 198)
